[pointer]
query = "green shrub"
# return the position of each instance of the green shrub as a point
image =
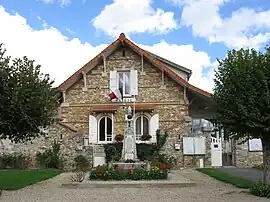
(81, 163)
(161, 140)
(51, 157)
(14, 161)
(259, 166)
(260, 189)
(148, 152)
(113, 151)
(164, 159)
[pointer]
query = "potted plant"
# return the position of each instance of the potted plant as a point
(145, 137)
(119, 138)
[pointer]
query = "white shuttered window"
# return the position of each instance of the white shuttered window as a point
(126, 81)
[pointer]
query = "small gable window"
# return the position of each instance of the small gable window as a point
(123, 53)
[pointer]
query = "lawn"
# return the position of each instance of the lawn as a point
(17, 179)
(227, 178)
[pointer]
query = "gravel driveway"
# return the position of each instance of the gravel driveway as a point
(207, 190)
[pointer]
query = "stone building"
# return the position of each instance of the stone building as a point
(164, 99)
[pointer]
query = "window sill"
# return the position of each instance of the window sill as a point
(107, 142)
(144, 142)
(127, 96)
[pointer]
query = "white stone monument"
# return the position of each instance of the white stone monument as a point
(129, 151)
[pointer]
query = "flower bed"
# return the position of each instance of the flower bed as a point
(104, 173)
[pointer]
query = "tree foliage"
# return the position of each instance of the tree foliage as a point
(27, 99)
(242, 93)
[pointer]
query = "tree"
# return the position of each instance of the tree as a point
(242, 97)
(27, 99)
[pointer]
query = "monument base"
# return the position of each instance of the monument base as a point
(126, 166)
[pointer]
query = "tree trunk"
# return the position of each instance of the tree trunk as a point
(266, 161)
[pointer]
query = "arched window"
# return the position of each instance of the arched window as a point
(141, 126)
(105, 129)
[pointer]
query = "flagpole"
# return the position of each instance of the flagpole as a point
(134, 108)
(134, 116)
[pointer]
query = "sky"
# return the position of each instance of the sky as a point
(63, 35)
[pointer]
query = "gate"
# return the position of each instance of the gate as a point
(216, 152)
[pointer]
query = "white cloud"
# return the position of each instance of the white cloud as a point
(245, 27)
(61, 57)
(132, 16)
(58, 56)
(63, 3)
(186, 56)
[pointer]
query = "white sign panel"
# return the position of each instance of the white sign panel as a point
(255, 145)
(188, 145)
(200, 145)
(194, 145)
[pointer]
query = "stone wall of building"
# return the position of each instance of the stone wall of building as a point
(245, 158)
(70, 145)
(171, 105)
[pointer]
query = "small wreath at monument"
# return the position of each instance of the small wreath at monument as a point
(145, 137)
(119, 138)
(129, 161)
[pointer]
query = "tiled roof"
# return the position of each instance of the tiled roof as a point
(159, 64)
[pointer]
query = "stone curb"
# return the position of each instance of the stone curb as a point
(127, 184)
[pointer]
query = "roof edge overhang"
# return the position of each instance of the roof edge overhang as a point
(180, 67)
(88, 66)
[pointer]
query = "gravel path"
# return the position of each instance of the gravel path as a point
(207, 190)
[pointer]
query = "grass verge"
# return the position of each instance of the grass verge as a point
(227, 178)
(17, 179)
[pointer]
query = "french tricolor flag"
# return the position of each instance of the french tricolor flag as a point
(116, 95)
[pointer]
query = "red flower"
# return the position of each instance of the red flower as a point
(118, 169)
(100, 174)
(163, 166)
(129, 170)
(100, 169)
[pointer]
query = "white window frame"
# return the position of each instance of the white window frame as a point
(129, 83)
(106, 135)
(142, 115)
